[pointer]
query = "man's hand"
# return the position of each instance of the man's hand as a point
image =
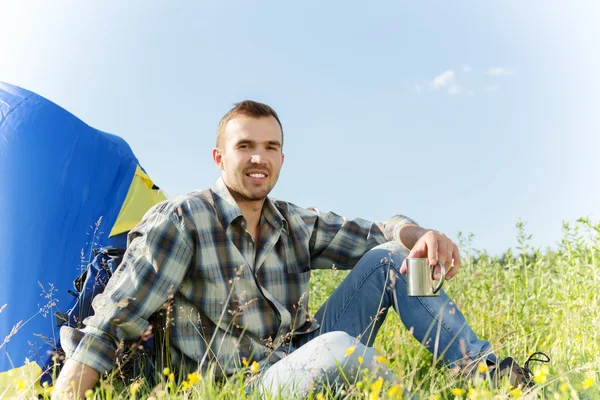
(433, 245)
(73, 381)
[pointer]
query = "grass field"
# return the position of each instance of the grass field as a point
(527, 300)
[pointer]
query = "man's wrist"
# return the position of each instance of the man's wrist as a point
(409, 234)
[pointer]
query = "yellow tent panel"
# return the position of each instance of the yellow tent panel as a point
(142, 196)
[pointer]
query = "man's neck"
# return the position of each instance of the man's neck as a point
(251, 210)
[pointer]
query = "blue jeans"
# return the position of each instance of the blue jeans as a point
(355, 311)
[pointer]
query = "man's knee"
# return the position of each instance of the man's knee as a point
(337, 337)
(390, 252)
(335, 343)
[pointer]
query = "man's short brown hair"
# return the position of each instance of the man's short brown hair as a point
(247, 108)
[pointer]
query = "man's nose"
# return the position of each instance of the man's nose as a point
(256, 159)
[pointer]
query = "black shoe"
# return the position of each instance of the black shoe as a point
(518, 376)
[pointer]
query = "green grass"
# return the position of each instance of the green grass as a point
(527, 300)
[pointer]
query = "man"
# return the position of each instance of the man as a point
(236, 265)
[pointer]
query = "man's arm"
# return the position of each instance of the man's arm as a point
(155, 263)
(341, 242)
(75, 378)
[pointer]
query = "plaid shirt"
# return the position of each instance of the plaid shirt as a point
(230, 299)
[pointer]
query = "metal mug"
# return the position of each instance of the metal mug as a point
(419, 278)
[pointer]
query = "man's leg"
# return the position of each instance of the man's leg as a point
(331, 359)
(359, 305)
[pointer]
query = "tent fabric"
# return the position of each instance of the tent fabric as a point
(65, 190)
(140, 197)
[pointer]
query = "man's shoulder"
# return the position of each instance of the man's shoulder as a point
(290, 210)
(200, 200)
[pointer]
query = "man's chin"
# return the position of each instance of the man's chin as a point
(257, 196)
(254, 195)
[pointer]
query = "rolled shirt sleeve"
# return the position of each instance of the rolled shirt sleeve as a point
(156, 261)
(340, 242)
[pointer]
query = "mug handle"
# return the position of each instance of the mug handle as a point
(439, 286)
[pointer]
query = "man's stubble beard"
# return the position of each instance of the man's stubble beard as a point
(246, 195)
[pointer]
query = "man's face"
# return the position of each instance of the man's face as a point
(249, 154)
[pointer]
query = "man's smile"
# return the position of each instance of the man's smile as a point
(257, 175)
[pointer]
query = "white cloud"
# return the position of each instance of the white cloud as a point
(418, 88)
(444, 79)
(447, 79)
(501, 71)
(467, 68)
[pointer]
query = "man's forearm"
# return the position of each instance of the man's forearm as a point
(409, 235)
(75, 378)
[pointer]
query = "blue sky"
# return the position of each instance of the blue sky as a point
(465, 115)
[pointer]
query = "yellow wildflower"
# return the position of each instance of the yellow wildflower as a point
(320, 396)
(376, 389)
(166, 371)
(377, 385)
(245, 362)
(588, 382)
(540, 374)
(563, 387)
(482, 367)
(134, 388)
(194, 378)
(395, 391)
(380, 359)
(171, 377)
(254, 367)
(185, 385)
(360, 359)
(458, 391)
(516, 393)
(350, 350)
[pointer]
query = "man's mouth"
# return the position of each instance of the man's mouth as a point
(257, 175)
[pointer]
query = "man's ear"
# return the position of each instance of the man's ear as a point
(218, 158)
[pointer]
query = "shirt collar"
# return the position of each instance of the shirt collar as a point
(228, 209)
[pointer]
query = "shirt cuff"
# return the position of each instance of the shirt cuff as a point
(393, 226)
(88, 349)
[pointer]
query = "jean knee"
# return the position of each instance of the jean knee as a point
(337, 338)
(337, 342)
(392, 252)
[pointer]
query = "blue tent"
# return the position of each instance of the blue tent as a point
(65, 189)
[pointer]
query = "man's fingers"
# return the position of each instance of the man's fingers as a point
(456, 258)
(432, 248)
(419, 250)
(444, 253)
